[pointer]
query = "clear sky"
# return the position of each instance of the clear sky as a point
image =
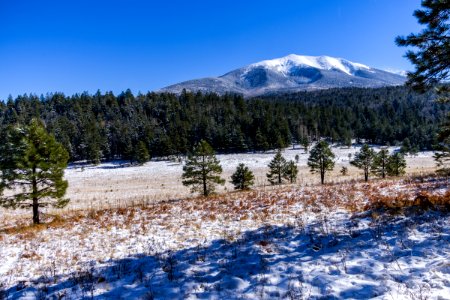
(73, 46)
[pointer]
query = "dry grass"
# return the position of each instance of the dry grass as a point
(154, 185)
(260, 205)
(423, 200)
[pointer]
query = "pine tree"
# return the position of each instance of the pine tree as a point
(396, 164)
(432, 63)
(380, 163)
(431, 59)
(277, 167)
(344, 171)
(364, 160)
(33, 162)
(321, 159)
(202, 170)
(142, 155)
(242, 178)
(290, 171)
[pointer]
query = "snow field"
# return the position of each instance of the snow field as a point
(294, 242)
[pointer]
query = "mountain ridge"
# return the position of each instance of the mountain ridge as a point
(291, 73)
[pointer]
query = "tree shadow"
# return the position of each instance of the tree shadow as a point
(270, 262)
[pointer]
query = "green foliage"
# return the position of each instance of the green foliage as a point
(432, 63)
(321, 159)
(344, 171)
(107, 126)
(396, 164)
(380, 163)
(32, 163)
(431, 59)
(142, 154)
(242, 178)
(202, 170)
(290, 171)
(277, 168)
(364, 160)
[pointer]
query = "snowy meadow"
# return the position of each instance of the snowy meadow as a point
(137, 233)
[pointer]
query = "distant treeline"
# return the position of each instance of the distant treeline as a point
(106, 126)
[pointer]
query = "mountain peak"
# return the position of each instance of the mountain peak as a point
(319, 62)
(292, 73)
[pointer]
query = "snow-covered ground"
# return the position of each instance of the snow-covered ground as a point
(297, 242)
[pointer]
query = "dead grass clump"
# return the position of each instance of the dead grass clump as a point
(29, 231)
(209, 217)
(390, 203)
(426, 200)
(30, 255)
(423, 200)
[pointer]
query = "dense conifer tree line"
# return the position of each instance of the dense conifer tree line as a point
(133, 127)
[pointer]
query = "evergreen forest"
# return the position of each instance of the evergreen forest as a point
(104, 126)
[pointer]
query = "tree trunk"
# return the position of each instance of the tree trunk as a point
(322, 170)
(366, 175)
(35, 199)
(35, 211)
(205, 189)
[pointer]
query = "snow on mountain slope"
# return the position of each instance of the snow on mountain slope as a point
(292, 73)
(284, 64)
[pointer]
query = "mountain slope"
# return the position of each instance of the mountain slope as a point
(292, 73)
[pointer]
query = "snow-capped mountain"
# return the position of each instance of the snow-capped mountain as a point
(292, 73)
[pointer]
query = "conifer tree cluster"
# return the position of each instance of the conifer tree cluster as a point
(379, 163)
(281, 170)
(202, 172)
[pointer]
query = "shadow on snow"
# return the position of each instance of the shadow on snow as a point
(270, 262)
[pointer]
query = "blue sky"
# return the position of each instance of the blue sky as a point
(75, 46)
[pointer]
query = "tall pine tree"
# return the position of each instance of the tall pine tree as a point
(432, 62)
(364, 160)
(202, 170)
(290, 171)
(276, 169)
(321, 159)
(380, 163)
(32, 163)
(396, 164)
